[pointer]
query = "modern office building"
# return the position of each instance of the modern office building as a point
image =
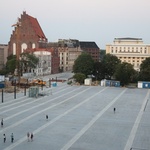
(130, 50)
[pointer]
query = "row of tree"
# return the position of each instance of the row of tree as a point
(110, 68)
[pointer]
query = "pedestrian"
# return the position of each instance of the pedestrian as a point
(114, 109)
(31, 136)
(4, 138)
(46, 117)
(2, 122)
(12, 138)
(28, 136)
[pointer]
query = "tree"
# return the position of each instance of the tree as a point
(28, 62)
(25, 63)
(98, 70)
(110, 63)
(83, 64)
(145, 70)
(79, 77)
(124, 73)
(11, 64)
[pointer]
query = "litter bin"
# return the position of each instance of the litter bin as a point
(54, 84)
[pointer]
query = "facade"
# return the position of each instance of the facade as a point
(92, 49)
(28, 34)
(48, 61)
(130, 50)
(69, 50)
(3, 55)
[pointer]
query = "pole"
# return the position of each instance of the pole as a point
(15, 90)
(25, 90)
(42, 85)
(2, 96)
(49, 82)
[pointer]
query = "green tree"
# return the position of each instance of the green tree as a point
(144, 73)
(98, 71)
(79, 77)
(28, 62)
(11, 64)
(83, 64)
(102, 54)
(124, 73)
(110, 63)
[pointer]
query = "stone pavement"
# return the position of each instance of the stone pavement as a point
(79, 118)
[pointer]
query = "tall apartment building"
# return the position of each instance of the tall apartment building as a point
(130, 50)
(3, 55)
(69, 50)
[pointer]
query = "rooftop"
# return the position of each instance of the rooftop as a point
(84, 44)
(128, 38)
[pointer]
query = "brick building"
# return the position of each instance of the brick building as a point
(28, 34)
(91, 48)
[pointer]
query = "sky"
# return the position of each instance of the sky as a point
(86, 20)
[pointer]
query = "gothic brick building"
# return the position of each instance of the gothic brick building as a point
(28, 34)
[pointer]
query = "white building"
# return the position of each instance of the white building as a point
(44, 65)
(130, 50)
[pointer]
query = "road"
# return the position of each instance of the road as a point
(79, 118)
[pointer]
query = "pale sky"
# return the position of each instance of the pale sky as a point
(86, 20)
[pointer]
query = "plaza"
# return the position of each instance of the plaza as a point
(79, 118)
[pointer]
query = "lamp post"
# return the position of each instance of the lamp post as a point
(15, 90)
(2, 96)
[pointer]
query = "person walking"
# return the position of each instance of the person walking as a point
(2, 122)
(4, 138)
(114, 109)
(46, 117)
(28, 136)
(12, 138)
(31, 136)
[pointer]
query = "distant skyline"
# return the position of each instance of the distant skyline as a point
(86, 20)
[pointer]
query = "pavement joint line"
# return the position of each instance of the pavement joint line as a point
(24, 97)
(53, 120)
(136, 124)
(22, 104)
(16, 114)
(1, 104)
(86, 127)
(21, 121)
(15, 103)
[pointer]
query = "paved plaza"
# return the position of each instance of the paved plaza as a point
(79, 118)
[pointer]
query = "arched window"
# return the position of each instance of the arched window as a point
(33, 45)
(23, 47)
(14, 48)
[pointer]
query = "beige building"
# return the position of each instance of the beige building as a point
(69, 50)
(3, 55)
(130, 50)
